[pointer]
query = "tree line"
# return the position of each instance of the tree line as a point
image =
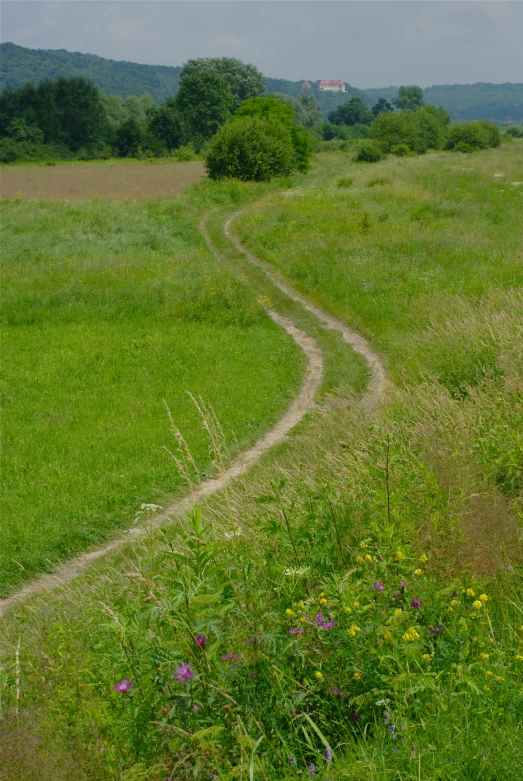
(221, 111)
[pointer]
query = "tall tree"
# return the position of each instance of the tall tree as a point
(244, 81)
(409, 98)
(167, 124)
(205, 102)
(381, 106)
(354, 112)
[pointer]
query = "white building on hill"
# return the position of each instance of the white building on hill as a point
(332, 86)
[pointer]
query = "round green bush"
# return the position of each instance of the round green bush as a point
(369, 153)
(401, 150)
(464, 147)
(478, 135)
(251, 149)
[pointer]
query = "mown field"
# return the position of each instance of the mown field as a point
(110, 310)
(100, 180)
(354, 610)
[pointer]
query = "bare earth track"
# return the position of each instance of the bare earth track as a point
(302, 404)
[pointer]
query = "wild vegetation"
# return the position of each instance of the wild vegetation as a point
(354, 609)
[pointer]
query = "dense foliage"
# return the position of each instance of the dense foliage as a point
(272, 108)
(420, 130)
(252, 148)
(471, 136)
(244, 80)
(354, 112)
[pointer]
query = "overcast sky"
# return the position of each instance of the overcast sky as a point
(370, 43)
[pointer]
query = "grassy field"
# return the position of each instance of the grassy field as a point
(400, 247)
(353, 610)
(100, 180)
(110, 309)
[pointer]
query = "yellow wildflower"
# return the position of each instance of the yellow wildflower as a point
(364, 544)
(301, 605)
(318, 675)
(519, 658)
(388, 637)
(400, 555)
(485, 657)
(487, 688)
(359, 559)
(483, 597)
(352, 631)
(426, 657)
(454, 602)
(356, 604)
(489, 674)
(398, 613)
(357, 676)
(418, 572)
(411, 635)
(521, 628)
(347, 610)
(322, 594)
(477, 604)
(290, 613)
(470, 592)
(423, 558)
(323, 601)
(368, 557)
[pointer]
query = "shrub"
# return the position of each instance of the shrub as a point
(369, 153)
(474, 135)
(418, 130)
(401, 150)
(253, 149)
(344, 132)
(345, 181)
(272, 108)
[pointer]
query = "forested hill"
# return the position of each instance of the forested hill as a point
(462, 101)
(124, 79)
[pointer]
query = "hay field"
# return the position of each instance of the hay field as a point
(141, 180)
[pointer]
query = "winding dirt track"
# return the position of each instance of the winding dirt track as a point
(301, 405)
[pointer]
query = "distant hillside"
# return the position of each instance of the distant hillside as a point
(19, 65)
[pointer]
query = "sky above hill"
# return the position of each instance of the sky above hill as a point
(369, 43)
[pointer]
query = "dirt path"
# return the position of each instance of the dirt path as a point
(378, 381)
(303, 404)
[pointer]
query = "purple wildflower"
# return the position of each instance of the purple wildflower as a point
(319, 619)
(379, 587)
(184, 673)
(250, 639)
(329, 625)
(292, 761)
(355, 716)
(122, 687)
(395, 749)
(403, 586)
(228, 657)
(196, 707)
(337, 692)
(436, 629)
(415, 603)
(393, 731)
(328, 754)
(324, 624)
(386, 716)
(312, 770)
(296, 631)
(201, 640)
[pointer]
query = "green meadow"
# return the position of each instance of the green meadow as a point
(353, 608)
(112, 312)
